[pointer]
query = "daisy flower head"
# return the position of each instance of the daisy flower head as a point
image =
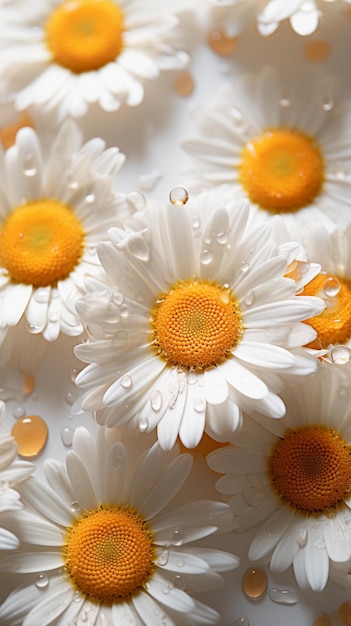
(56, 202)
(66, 55)
(194, 323)
(98, 535)
(303, 15)
(285, 147)
(292, 477)
(12, 472)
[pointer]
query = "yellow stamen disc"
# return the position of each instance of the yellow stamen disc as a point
(333, 325)
(310, 468)
(84, 35)
(196, 324)
(109, 553)
(282, 170)
(41, 242)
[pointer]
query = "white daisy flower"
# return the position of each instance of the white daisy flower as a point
(12, 472)
(56, 202)
(286, 148)
(194, 323)
(293, 477)
(65, 55)
(303, 15)
(102, 547)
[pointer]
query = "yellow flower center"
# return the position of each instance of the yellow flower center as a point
(310, 468)
(196, 324)
(333, 325)
(84, 35)
(41, 242)
(282, 170)
(109, 553)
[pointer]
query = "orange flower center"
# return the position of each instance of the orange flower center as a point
(84, 35)
(196, 324)
(310, 468)
(109, 553)
(282, 170)
(41, 242)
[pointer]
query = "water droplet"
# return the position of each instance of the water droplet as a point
(284, 102)
(178, 196)
(340, 355)
(143, 424)
(344, 612)
(75, 507)
(70, 397)
(196, 222)
(222, 238)
(302, 537)
(327, 103)
(183, 83)
(167, 587)
(221, 43)
(29, 165)
(42, 581)
(199, 405)
(191, 377)
(67, 436)
(77, 596)
(249, 298)
(73, 375)
(331, 287)
(30, 433)
(254, 583)
(239, 122)
(206, 257)
(283, 596)
(322, 620)
(177, 538)
(20, 411)
(138, 247)
(179, 582)
(124, 311)
(54, 316)
(162, 558)
(339, 170)
(241, 621)
(137, 200)
(146, 182)
(126, 382)
(90, 198)
(72, 183)
(83, 616)
(244, 267)
(156, 400)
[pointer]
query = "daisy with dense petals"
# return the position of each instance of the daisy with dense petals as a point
(293, 478)
(106, 548)
(303, 15)
(12, 472)
(194, 323)
(55, 205)
(67, 54)
(287, 149)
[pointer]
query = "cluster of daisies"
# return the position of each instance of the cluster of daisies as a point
(222, 315)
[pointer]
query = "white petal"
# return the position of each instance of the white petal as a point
(175, 599)
(8, 541)
(149, 611)
(29, 562)
(243, 380)
(270, 533)
(51, 607)
(264, 355)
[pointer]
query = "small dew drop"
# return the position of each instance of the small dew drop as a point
(30, 433)
(179, 582)
(249, 298)
(126, 382)
(222, 238)
(156, 400)
(54, 316)
(70, 397)
(183, 83)
(199, 405)
(167, 587)
(221, 43)
(177, 538)
(244, 267)
(284, 102)
(29, 165)
(283, 596)
(67, 436)
(75, 507)
(42, 581)
(302, 537)
(124, 311)
(196, 222)
(254, 583)
(340, 355)
(73, 375)
(90, 198)
(338, 170)
(20, 411)
(28, 384)
(206, 257)
(83, 616)
(72, 184)
(178, 196)
(331, 287)
(162, 558)
(241, 621)
(317, 51)
(327, 103)
(143, 424)
(238, 120)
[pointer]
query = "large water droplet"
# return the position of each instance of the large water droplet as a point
(178, 196)
(42, 581)
(254, 583)
(70, 397)
(156, 400)
(283, 596)
(30, 433)
(322, 620)
(221, 43)
(340, 354)
(90, 198)
(162, 558)
(331, 287)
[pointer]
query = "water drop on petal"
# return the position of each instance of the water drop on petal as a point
(302, 537)
(29, 165)
(241, 621)
(178, 196)
(20, 411)
(206, 257)
(177, 538)
(67, 436)
(143, 424)
(199, 405)
(42, 581)
(331, 287)
(126, 382)
(244, 267)
(341, 355)
(283, 596)
(156, 400)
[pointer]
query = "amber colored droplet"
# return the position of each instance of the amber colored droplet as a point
(317, 51)
(221, 43)
(30, 433)
(254, 583)
(183, 83)
(344, 612)
(8, 133)
(322, 620)
(28, 384)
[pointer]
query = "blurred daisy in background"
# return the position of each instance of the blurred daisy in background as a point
(286, 148)
(100, 546)
(194, 323)
(67, 55)
(12, 472)
(57, 199)
(303, 15)
(292, 477)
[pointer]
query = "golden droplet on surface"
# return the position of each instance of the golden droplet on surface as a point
(254, 583)
(178, 196)
(322, 620)
(30, 433)
(221, 43)
(344, 612)
(183, 83)
(28, 384)
(317, 51)
(8, 133)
